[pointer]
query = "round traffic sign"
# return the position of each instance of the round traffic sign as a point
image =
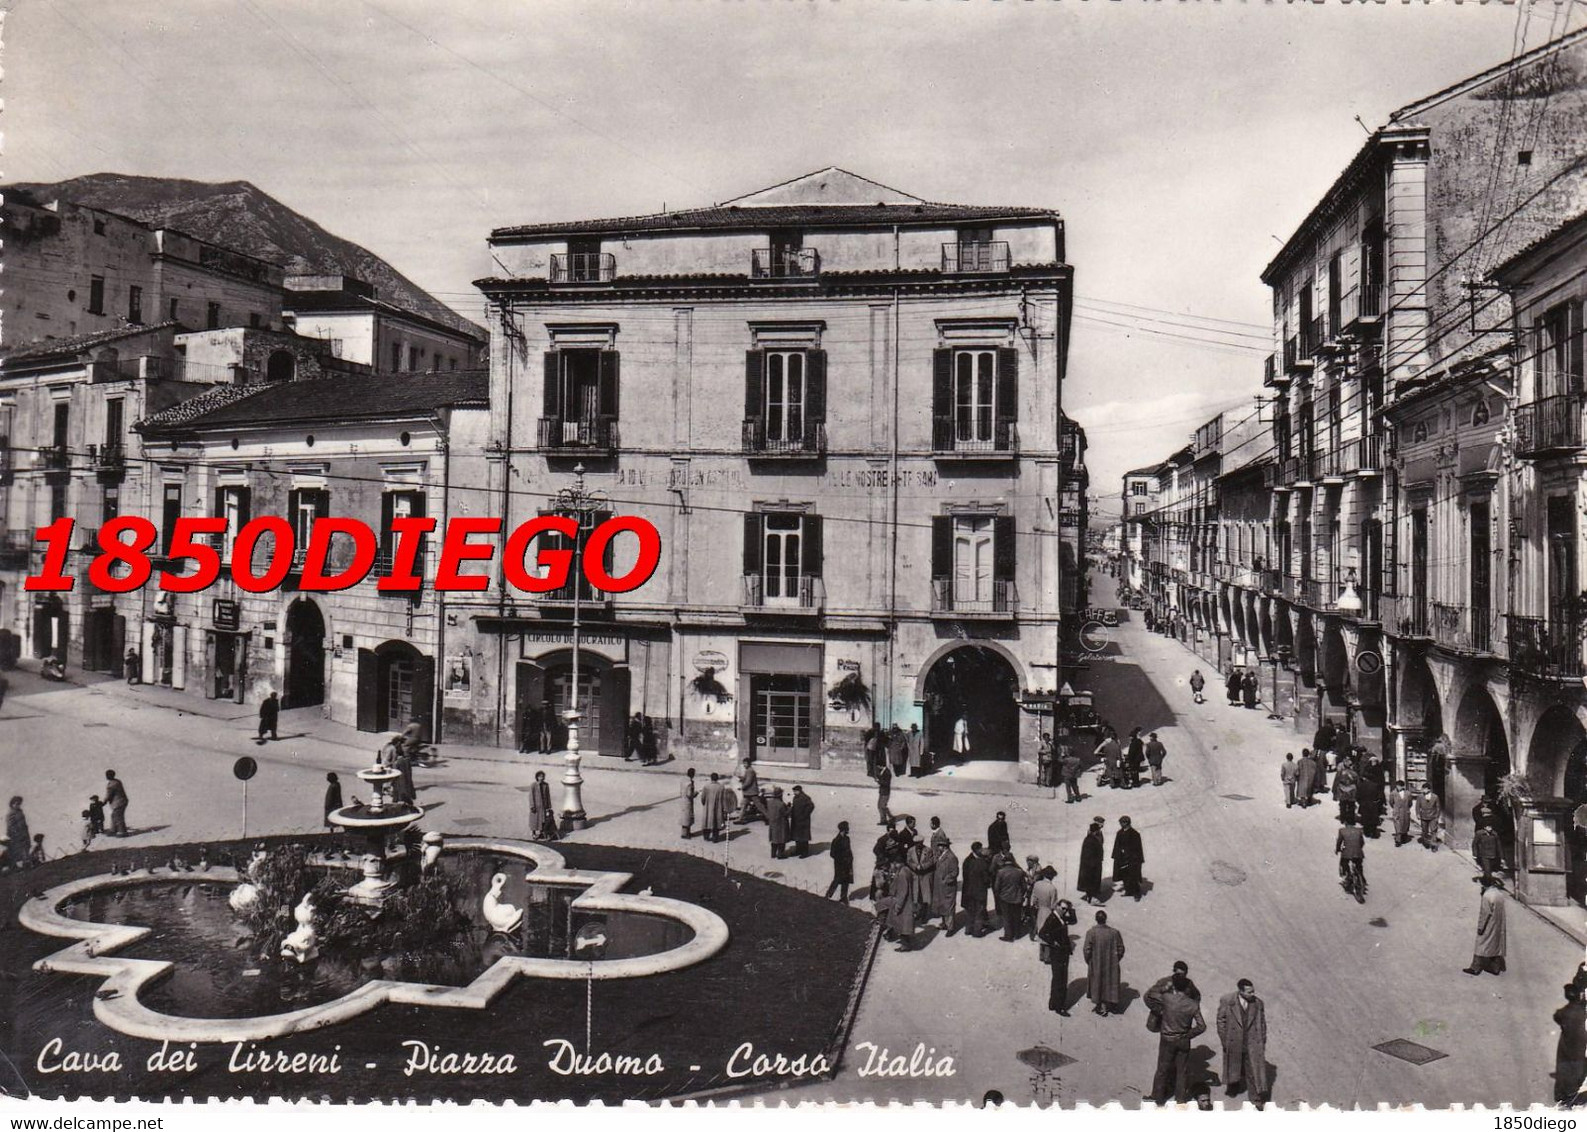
(245, 768)
(1369, 663)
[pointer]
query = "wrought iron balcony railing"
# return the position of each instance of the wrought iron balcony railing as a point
(964, 437)
(55, 458)
(591, 433)
(1551, 424)
(1462, 628)
(1551, 649)
(784, 263)
(808, 440)
(1405, 615)
(808, 593)
(583, 267)
(1000, 600)
(979, 257)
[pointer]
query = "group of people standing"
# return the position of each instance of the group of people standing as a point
(1121, 766)
(895, 752)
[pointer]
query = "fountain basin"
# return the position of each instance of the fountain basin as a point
(135, 1005)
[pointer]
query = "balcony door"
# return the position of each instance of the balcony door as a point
(974, 390)
(1419, 563)
(784, 395)
(1561, 563)
(580, 391)
(1481, 579)
(973, 560)
(782, 557)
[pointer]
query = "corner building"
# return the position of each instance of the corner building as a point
(839, 405)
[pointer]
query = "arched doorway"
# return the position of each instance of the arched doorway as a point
(305, 649)
(1265, 625)
(396, 687)
(1421, 721)
(1480, 750)
(978, 685)
(51, 627)
(1557, 767)
(281, 366)
(1283, 634)
(547, 686)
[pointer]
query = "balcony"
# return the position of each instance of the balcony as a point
(1271, 581)
(1309, 592)
(1460, 628)
(1550, 425)
(591, 434)
(1362, 456)
(385, 562)
(564, 594)
(811, 595)
(984, 257)
(16, 549)
(1362, 308)
(583, 267)
(800, 443)
(1549, 649)
(1328, 466)
(56, 458)
(109, 460)
(972, 440)
(784, 263)
(1317, 336)
(1274, 376)
(1001, 602)
(1406, 616)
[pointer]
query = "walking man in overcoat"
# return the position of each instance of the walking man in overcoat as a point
(1155, 754)
(997, 839)
(945, 882)
(686, 796)
(713, 808)
(1400, 810)
(1488, 954)
(269, 715)
(1069, 767)
(1242, 1028)
(777, 822)
(1288, 774)
(1233, 685)
(1128, 857)
(1059, 946)
(1103, 950)
(1485, 848)
(1429, 814)
(1008, 888)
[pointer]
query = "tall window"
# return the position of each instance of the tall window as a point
(782, 554)
(231, 504)
(96, 294)
(972, 560)
(782, 557)
(304, 505)
(400, 505)
(974, 391)
(170, 512)
(396, 357)
(1137, 488)
(1559, 351)
(112, 504)
(785, 394)
(212, 316)
(115, 426)
(62, 425)
(1140, 508)
(1561, 562)
(135, 304)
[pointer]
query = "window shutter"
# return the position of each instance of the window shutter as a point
(752, 544)
(815, 386)
(942, 383)
(810, 547)
(1575, 351)
(388, 507)
(1003, 548)
(941, 546)
(553, 387)
(1008, 383)
(322, 504)
(294, 500)
(608, 556)
(244, 506)
(754, 383)
(220, 503)
(609, 383)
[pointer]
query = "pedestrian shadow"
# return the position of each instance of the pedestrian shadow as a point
(1198, 1068)
(134, 831)
(817, 848)
(638, 808)
(1127, 997)
(426, 807)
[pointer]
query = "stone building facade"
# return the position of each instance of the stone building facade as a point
(839, 404)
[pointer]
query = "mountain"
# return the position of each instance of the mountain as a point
(243, 217)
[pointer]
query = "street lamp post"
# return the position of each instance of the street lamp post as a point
(581, 504)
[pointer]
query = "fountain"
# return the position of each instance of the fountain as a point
(381, 822)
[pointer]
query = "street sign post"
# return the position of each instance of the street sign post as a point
(244, 769)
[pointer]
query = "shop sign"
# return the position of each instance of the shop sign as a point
(710, 659)
(848, 666)
(227, 614)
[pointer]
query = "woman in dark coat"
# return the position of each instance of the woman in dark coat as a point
(1091, 854)
(649, 749)
(1232, 685)
(333, 796)
(542, 818)
(1250, 687)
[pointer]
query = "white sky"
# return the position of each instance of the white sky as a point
(1178, 140)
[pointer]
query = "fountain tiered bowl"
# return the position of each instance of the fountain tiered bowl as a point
(380, 821)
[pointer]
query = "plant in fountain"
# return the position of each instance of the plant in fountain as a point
(419, 927)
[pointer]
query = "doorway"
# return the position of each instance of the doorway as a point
(305, 648)
(978, 686)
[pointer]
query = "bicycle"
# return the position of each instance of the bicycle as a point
(1356, 880)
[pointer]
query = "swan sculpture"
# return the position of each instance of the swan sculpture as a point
(501, 916)
(304, 943)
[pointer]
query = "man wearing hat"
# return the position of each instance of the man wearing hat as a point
(1128, 857)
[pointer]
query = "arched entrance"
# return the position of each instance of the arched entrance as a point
(1265, 625)
(1306, 649)
(1335, 665)
(1480, 752)
(281, 366)
(1283, 634)
(978, 685)
(396, 687)
(1421, 721)
(1557, 768)
(305, 649)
